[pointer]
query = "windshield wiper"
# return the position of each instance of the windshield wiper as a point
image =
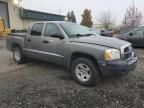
(89, 34)
(78, 35)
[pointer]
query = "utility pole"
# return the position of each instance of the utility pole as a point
(59, 11)
(133, 3)
(133, 16)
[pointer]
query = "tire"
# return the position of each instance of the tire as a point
(85, 72)
(18, 55)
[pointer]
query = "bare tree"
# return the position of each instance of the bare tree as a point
(133, 18)
(106, 19)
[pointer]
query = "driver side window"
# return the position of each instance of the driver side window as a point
(139, 32)
(51, 29)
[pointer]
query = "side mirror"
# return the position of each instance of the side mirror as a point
(60, 36)
(130, 33)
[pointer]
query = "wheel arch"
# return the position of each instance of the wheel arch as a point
(81, 54)
(15, 45)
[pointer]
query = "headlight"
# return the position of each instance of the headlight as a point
(112, 54)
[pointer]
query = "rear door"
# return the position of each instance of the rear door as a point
(137, 38)
(34, 41)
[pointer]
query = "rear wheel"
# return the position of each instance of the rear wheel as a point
(85, 71)
(18, 55)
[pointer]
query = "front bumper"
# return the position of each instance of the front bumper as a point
(117, 67)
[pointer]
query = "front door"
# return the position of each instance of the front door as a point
(53, 47)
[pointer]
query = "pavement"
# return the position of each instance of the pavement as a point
(38, 84)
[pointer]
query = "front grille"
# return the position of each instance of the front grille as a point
(128, 53)
(127, 49)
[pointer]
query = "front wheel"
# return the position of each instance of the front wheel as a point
(18, 55)
(85, 71)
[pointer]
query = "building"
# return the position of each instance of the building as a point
(101, 27)
(18, 18)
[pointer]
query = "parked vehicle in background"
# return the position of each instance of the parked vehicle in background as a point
(74, 46)
(106, 33)
(94, 31)
(136, 37)
(101, 32)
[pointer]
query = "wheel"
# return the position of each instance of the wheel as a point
(18, 55)
(85, 71)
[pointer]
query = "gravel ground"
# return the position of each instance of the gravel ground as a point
(44, 85)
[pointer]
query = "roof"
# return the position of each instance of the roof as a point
(56, 22)
(36, 15)
(59, 22)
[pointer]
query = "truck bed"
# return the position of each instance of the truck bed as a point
(15, 38)
(17, 34)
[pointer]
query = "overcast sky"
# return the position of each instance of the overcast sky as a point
(117, 7)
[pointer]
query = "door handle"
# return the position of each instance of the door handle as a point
(45, 41)
(28, 40)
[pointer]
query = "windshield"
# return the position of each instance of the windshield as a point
(75, 30)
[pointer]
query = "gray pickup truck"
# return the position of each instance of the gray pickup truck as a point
(88, 57)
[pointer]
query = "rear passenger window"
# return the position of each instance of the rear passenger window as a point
(37, 29)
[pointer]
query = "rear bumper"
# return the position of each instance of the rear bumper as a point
(117, 67)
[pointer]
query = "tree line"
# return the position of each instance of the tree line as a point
(133, 18)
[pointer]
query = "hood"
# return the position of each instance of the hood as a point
(99, 40)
